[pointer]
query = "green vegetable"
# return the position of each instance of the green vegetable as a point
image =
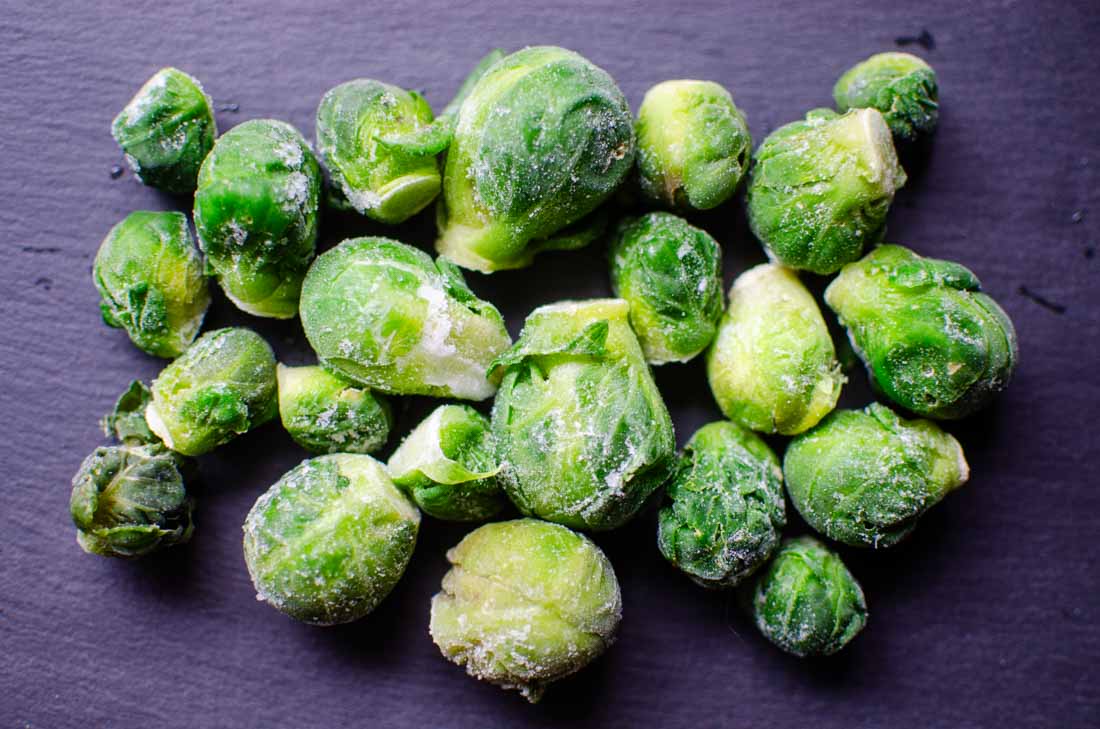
(900, 85)
(864, 477)
(448, 466)
(387, 316)
(542, 139)
(820, 188)
(932, 342)
(525, 604)
(324, 413)
(150, 278)
(583, 435)
(773, 366)
(330, 539)
(671, 273)
(224, 385)
(126, 422)
(167, 130)
(806, 601)
(256, 215)
(724, 509)
(693, 145)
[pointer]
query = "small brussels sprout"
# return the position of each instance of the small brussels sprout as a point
(151, 280)
(724, 510)
(583, 436)
(525, 604)
(900, 85)
(256, 215)
(693, 145)
(931, 341)
(820, 188)
(167, 130)
(773, 366)
(864, 477)
(224, 385)
(806, 601)
(129, 500)
(126, 422)
(330, 539)
(671, 273)
(387, 316)
(447, 465)
(324, 413)
(543, 138)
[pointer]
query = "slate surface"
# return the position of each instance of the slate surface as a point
(986, 617)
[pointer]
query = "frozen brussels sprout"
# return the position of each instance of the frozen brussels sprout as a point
(864, 477)
(900, 85)
(324, 413)
(693, 145)
(151, 280)
(806, 601)
(525, 604)
(541, 140)
(167, 130)
(256, 215)
(224, 385)
(671, 274)
(126, 422)
(932, 341)
(773, 366)
(330, 539)
(387, 316)
(448, 465)
(582, 433)
(820, 188)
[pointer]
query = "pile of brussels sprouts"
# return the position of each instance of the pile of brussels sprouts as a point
(528, 158)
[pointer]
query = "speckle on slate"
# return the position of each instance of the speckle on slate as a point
(1042, 301)
(116, 171)
(232, 108)
(924, 40)
(1090, 252)
(43, 282)
(1077, 217)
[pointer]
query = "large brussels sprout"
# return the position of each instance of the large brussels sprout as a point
(387, 316)
(773, 366)
(820, 188)
(224, 385)
(330, 539)
(525, 604)
(541, 140)
(150, 278)
(448, 465)
(325, 413)
(864, 477)
(693, 144)
(724, 508)
(582, 433)
(671, 274)
(900, 85)
(256, 215)
(167, 130)
(932, 342)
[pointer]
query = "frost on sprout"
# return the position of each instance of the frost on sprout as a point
(899, 85)
(325, 413)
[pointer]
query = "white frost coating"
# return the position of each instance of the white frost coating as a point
(437, 323)
(139, 106)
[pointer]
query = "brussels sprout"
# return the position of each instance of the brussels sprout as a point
(385, 315)
(693, 145)
(126, 422)
(820, 188)
(773, 366)
(806, 601)
(525, 604)
(724, 508)
(583, 436)
(671, 273)
(541, 140)
(224, 385)
(448, 467)
(167, 130)
(932, 342)
(900, 85)
(324, 413)
(129, 500)
(256, 215)
(330, 539)
(864, 477)
(151, 281)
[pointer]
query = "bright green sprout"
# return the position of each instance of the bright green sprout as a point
(126, 422)
(900, 85)
(325, 413)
